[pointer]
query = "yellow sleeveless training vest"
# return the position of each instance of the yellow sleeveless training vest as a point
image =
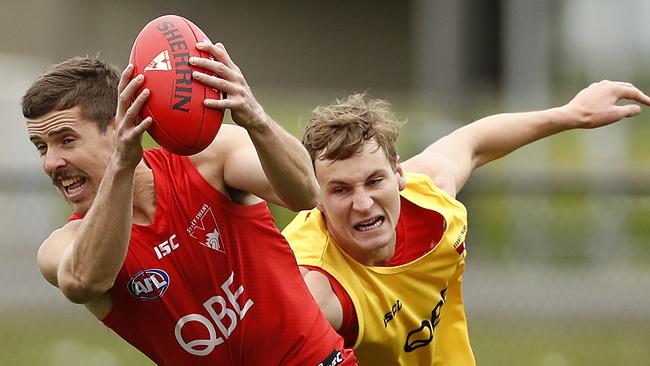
(411, 314)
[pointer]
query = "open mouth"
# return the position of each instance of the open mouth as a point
(370, 225)
(73, 185)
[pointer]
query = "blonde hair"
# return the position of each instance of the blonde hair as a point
(340, 130)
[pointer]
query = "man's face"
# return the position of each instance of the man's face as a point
(74, 154)
(360, 200)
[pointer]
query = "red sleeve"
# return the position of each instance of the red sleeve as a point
(349, 326)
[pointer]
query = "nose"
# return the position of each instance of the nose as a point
(361, 200)
(53, 161)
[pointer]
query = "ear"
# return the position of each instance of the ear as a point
(401, 180)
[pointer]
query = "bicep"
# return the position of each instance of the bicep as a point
(243, 171)
(231, 161)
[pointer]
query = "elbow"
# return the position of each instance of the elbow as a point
(298, 200)
(308, 200)
(296, 204)
(306, 204)
(80, 291)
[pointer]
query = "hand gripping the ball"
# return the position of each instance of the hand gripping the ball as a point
(222, 74)
(182, 124)
(129, 127)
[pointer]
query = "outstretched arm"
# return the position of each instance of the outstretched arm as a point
(269, 163)
(450, 160)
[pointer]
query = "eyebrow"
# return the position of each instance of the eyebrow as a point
(371, 175)
(54, 132)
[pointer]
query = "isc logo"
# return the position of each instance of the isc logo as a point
(166, 247)
(149, 284)
(397, 306)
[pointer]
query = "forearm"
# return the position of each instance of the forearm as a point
(495, 136)
(286, 164)
(92, 263)
(593, 107)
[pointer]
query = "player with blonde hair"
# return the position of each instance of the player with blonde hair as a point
(384, 251)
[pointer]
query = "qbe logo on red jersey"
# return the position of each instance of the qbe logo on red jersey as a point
(224, 312)
(149, 284)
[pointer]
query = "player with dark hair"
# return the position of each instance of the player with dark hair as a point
(177, 254)
(384, 251)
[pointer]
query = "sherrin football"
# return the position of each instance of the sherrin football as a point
(181, 123)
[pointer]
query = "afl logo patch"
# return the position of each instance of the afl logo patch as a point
(149, 284)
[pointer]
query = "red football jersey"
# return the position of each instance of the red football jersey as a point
(213, 282)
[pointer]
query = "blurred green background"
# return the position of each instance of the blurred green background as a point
(559, 239)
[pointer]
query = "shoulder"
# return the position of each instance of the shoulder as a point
(421, 193)
(306, 230)
(437, 167)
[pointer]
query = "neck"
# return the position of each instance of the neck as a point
(381, 256)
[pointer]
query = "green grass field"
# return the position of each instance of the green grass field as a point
(559, 343)
(79, 340)
(63, 340)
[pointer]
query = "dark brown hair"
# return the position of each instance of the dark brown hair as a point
(86, 82)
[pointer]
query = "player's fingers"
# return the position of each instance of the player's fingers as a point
(218, 68)
(623, 83)
(642, 97)
(216, 83)
(230, 103)
(633, 93)
(126, 96)
(628, 110)
(132, 114)
(218, 51)
(229, 61)
(623, 90)
(141, 127)
(125, 77)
